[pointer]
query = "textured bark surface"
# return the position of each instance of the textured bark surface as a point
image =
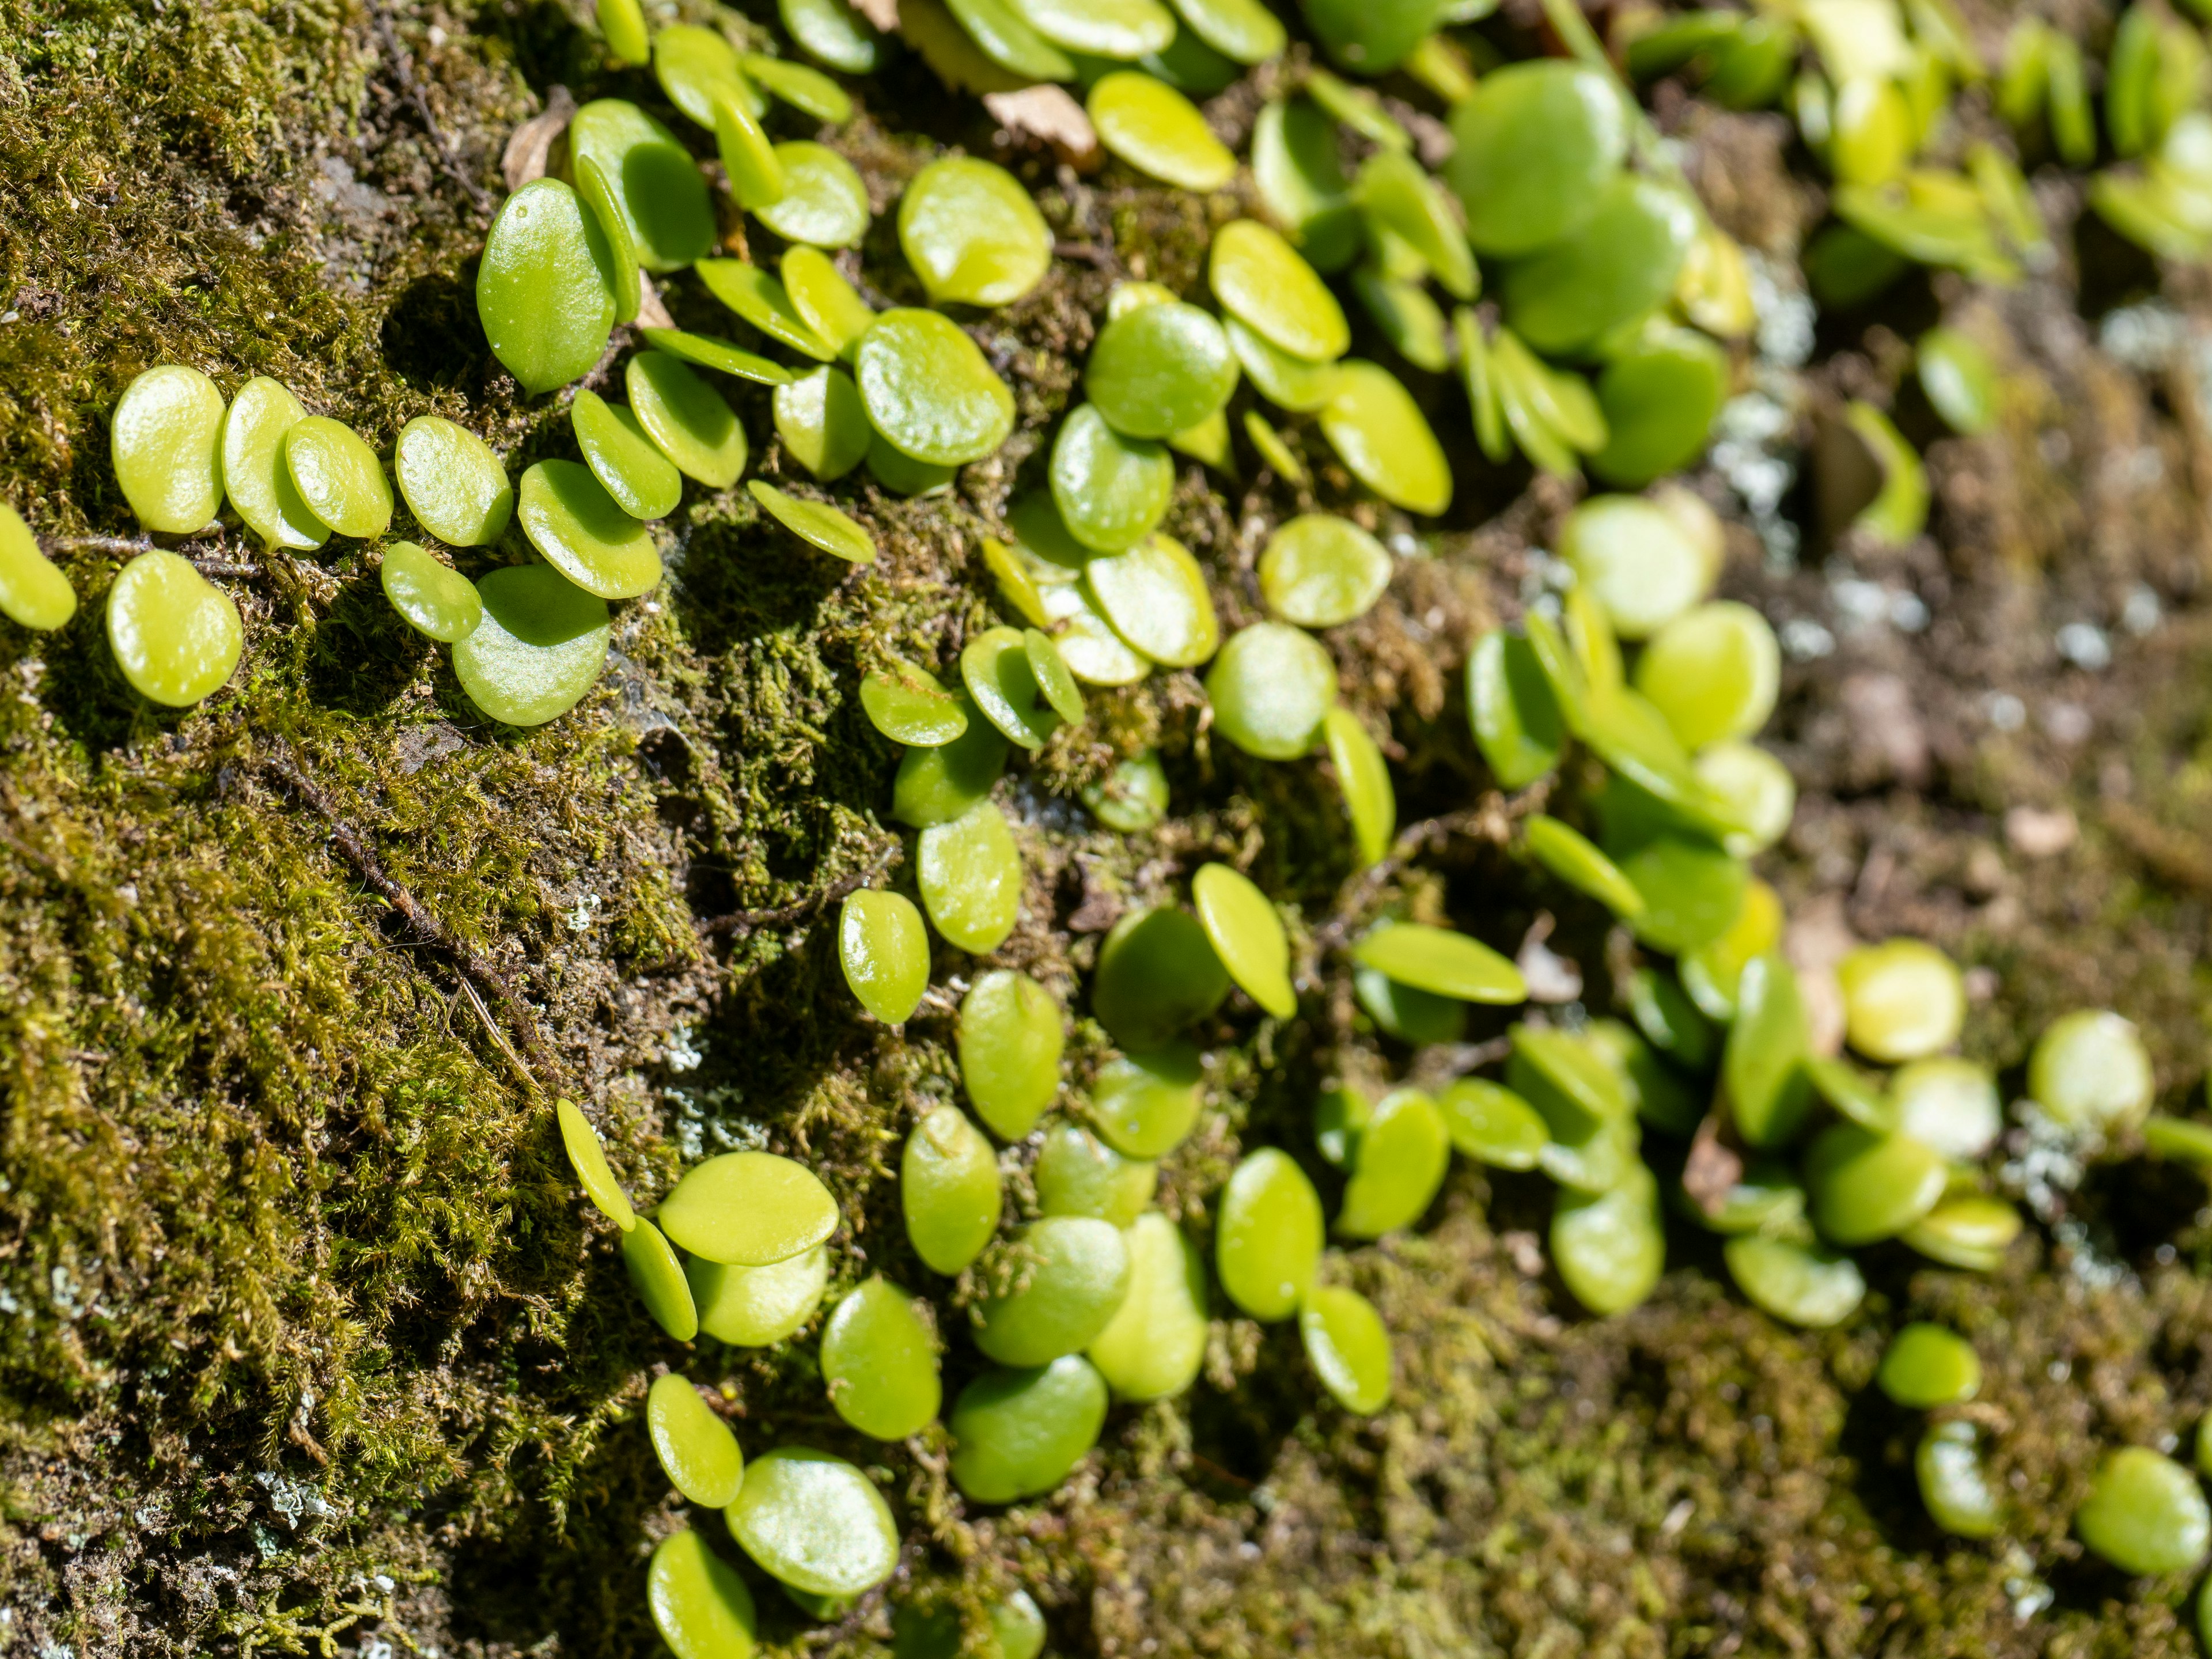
(307, 1344)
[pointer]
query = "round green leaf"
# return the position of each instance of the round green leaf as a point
(1510, 706)
(1492, 1124)
(629, 465)
(1375, 426)
(757, 1306)
(949, 1190)
(1064, 1278)
(1271, 686)
(1299, 384)
(749, 1209)
(1926, 1366)
(1155, 595)
(832, 32)
(176, 637)
(2089, 1070)
(1010, 1037)
(700, 1605)
(1713, 672)
(1247, 935)
(1079, 1174)
(1123, 29)
(1158, 131)
(1111, 489)
(1866, 1186)
(1244, 31)
(695, 67)
(823, 204)
(937, 785)
(824, 300)
(338, 477)
(1154, 1345)
(1145, 1102)
(1405, 1150)
(1159, 370)
(166, 433)
(1268, 1240)
(1442, 962)
(254, 475)
(537, 649)
(930, 390)
(656, 186)
(1903, 999)
(1263, 280)
(908, 705)
(1321, 571)
(1156, 973)
(585, 534)
(696, 1448)
(1949, 1104)
(687, 417)
(2145, 1513)
(1017, 1433)
(453, 485)
(972, 234)
(34, 592)
(1132, 797)
(823, 424)
(970, 874)
(1347, 1346)
(806, 90)
(885, 949)
(994, 665)
(437, 600)
(1957, 1491)
(1617, 264)
(545, 287)
(815, 1522)
(1807, 1285)
(879, 1362)
(1007, 39)
(1535, 148)
(1610, 1246)
(658, 1279)
(1300, 177)
(1659, 399)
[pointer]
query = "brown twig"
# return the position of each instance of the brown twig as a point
(402, 71)
(1489, 819)
(747, 922)
(100, 543)
(285, 767)
(1446, 1062)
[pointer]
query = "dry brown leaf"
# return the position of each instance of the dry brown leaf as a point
(531, 147)
(883, 14)
(1714, 1167)
(651, 312)
(1048, 113)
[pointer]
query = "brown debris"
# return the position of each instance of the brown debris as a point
(1049, 113)
(529, 151)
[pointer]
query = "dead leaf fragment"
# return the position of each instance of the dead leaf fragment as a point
(1051, 113)
(531, 149)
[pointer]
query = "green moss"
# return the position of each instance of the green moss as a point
(278, 1201)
